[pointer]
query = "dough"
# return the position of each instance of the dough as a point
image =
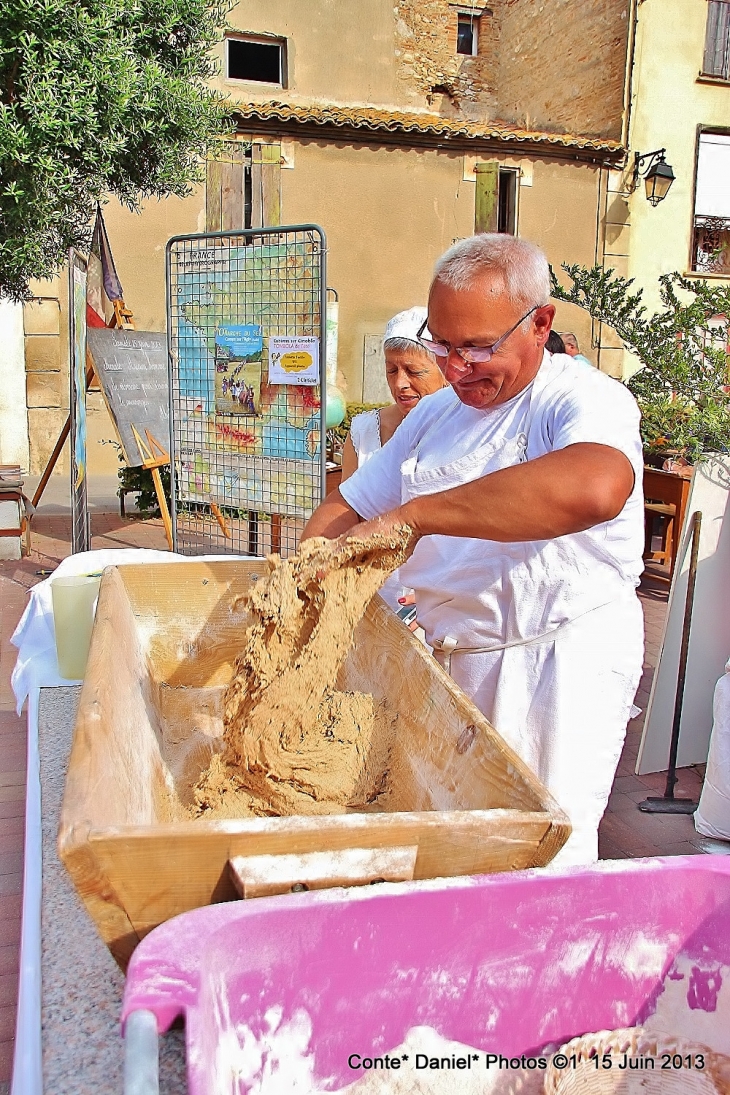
(293, 743)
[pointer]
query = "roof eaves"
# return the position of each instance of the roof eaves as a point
(375, 120)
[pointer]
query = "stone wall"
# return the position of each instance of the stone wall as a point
(562, 65)
(557, 65)
(46, 364)
(434, 75)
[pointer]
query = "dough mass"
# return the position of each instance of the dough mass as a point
(293, 744)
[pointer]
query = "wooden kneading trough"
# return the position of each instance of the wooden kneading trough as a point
(427, 788)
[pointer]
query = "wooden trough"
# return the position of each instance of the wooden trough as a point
(149, 719)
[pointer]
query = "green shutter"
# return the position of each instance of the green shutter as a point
(486, 202)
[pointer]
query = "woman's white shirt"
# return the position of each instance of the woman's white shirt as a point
(366, 441)
(365, 435)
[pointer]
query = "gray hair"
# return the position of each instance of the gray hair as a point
(521, 265)
(405, 344)
(568, 336)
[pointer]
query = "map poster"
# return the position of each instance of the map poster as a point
(294, 360)
(238, 352)
(251, 448)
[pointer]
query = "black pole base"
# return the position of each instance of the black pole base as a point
(668, 806)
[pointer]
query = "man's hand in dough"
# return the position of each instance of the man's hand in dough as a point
(384, 543)
(387, 526)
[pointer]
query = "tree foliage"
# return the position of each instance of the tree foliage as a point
(97, 97)
(682, 387)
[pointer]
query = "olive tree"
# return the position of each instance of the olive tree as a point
(97, 97)
(682, 385)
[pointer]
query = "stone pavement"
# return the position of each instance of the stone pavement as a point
(625, 831)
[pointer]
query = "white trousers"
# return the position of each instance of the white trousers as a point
(563, 706)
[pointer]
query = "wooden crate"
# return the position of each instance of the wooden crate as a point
(161, 654)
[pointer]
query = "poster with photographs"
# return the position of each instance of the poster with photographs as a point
(238, 351)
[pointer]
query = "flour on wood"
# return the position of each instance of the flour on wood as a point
(293, 744)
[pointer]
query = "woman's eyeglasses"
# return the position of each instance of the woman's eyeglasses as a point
(470, 354)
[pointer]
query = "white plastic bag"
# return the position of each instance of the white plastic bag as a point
(712, 817)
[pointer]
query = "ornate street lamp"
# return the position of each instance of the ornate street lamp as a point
(657, 173)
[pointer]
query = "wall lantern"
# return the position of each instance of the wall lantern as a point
(658, 175)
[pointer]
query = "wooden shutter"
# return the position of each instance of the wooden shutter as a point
(486, 204)
(224, 188)
(265, 184)
(716, 60)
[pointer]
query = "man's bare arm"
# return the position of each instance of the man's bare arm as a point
(565, 491)
(332, 518)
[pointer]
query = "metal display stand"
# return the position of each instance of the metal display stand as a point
(244, 481)
(80, 524)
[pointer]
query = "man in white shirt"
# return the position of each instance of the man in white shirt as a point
(522, 483)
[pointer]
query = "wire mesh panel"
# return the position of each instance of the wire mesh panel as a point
(246, 337)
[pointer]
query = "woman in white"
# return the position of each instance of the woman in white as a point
(412, 373)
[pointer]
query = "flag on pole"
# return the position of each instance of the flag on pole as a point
(102, 281)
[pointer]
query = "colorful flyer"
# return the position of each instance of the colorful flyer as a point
(238, 351)
(294, 360)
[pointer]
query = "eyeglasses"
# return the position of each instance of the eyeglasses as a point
(470, 354)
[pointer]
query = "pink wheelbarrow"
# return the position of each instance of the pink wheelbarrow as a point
(293, 993)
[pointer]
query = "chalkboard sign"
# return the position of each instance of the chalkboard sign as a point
(132, 371)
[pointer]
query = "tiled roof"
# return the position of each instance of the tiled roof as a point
(374, 119)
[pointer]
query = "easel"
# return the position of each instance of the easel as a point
(154, 457)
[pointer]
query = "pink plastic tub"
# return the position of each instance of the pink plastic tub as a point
(506, 963)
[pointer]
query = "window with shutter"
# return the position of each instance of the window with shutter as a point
(716, 61)
(711, 242)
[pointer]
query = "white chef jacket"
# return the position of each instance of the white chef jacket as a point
(551, 630)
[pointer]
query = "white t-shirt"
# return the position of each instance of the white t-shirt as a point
(483, 591)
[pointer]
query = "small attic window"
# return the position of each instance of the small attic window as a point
(262, 62)
(467, 35)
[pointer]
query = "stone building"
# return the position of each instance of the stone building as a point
(399, 126)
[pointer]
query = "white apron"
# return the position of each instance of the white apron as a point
(560, 698)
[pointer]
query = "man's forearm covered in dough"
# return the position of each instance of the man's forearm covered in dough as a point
(565, 491)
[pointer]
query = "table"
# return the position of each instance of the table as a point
(83, 1053)
(45, 885)
(671, 491)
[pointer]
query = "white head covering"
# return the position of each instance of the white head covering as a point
(406, 325)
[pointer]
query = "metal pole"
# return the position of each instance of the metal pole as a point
(668, 804)
(141, 1054)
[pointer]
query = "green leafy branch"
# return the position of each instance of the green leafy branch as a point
(98, 97)
(682, 386)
